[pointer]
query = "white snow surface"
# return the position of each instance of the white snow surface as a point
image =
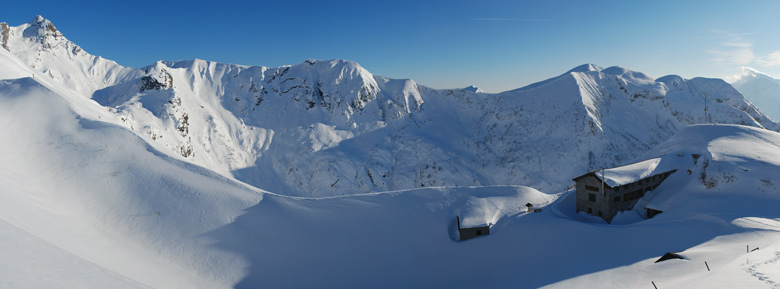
(104, 184)
(760, 89)
(630, 173)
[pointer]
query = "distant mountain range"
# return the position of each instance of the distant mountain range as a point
(324, 128)
(761, 90)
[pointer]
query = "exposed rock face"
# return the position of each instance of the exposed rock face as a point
(4, 34)
(162, 81)
(43, 31)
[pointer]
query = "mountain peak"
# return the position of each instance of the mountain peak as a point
(586, 67)
(41, 27)
(748, 73)
(760, 89)
(37, 20)
(615, 70)
(333, 63)
(624, 72)
(473, 88)
(751, 72)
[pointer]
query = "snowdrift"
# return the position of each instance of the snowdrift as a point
(99, 197)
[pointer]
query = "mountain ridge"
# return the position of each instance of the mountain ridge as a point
(322, 128)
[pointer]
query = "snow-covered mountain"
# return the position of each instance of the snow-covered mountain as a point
(472, 88)
(45, 49)
(323, 128)
(761, 90)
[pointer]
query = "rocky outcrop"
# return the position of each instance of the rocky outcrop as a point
(4, 34)
(163, 81)
(46, 34)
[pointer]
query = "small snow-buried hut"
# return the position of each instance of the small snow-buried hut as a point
(669, 256)
(472, 231)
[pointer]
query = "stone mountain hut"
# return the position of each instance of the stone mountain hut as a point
(605, 192)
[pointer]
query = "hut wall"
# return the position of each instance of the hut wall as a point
(590, 198)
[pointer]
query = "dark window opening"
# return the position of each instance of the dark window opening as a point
(479, 232)
(591, 197)
(600, 215)
(590, 211)
(617, 199)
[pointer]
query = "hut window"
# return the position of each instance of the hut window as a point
(479, 232)
(591, 197)
(590, 211)
(617, 199)
(592, 188)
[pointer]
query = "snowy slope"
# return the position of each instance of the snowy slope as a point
(98, 197)
(760, 89)
(404, 239)
(34, 263)
(102, 201)
(727, 202)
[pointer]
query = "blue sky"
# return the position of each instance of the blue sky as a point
(496, 45)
